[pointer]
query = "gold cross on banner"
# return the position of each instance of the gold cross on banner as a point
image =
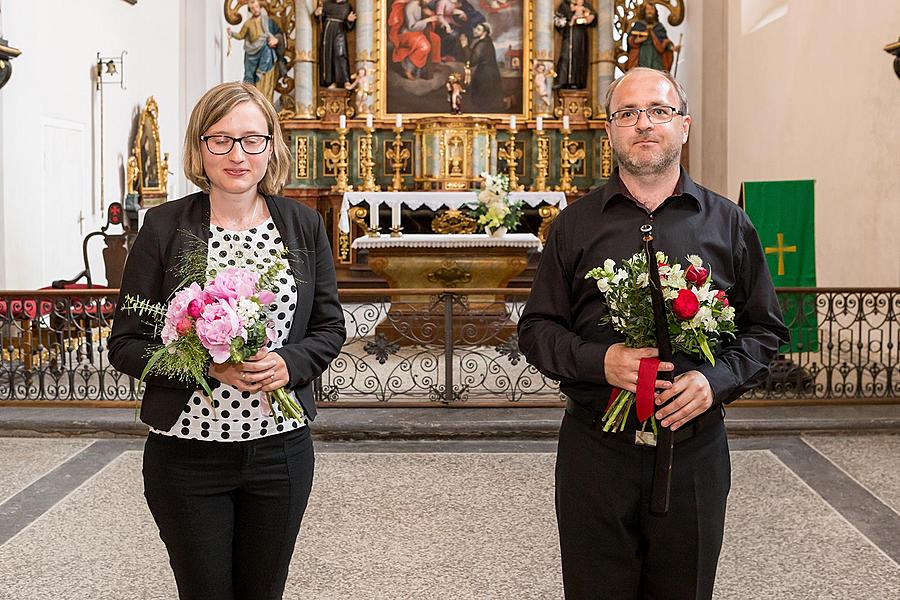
(780, 249)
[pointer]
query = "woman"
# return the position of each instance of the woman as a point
(228, 484)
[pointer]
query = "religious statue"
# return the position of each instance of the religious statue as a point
(164, 172)
(648, 43)
(259, 35)
(572, 19)
(543, 86)
(455, 90)
(362, 83)
(132, 175)
(336, 19)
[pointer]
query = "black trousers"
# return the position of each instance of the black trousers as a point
(229, 512)
(612, 547)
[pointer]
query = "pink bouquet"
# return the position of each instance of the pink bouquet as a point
(225, 320)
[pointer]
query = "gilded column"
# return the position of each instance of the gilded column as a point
(366, 46)
(603, 57)
(543, 32)
(305, 73)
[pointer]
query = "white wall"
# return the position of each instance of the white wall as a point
(49, 112)
(812, 95)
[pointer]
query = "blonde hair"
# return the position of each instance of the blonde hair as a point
(213, 106)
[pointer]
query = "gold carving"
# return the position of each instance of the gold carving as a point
(542, 164)
(453, 221)
(450, 275)
(399, 157)
(344, 247)
(548, 214)
(606, 158)
(302, 146)
(152, 165)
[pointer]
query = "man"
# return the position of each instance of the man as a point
(484, 86)
(612, 547)
(648, 43)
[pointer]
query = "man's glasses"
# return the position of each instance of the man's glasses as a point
(657, 114)
(222, 144)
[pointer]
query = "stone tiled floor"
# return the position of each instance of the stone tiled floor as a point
(809, 517)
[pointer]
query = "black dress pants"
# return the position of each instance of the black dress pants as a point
(229, 512)
(612, 547)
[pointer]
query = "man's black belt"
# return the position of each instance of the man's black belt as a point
(594, 419)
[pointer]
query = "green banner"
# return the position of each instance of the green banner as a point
(783, 213)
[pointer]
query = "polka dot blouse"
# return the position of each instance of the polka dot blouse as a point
(241, 416)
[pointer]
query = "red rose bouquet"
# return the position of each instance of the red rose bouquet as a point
(698, 316)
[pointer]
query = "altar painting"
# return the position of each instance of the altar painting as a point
(428, 43)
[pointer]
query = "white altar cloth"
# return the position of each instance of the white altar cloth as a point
(435, 200)
(450, 240)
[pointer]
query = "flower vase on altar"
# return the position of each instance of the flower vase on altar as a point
(496, 232)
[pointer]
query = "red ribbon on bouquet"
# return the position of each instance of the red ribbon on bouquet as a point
(646, 389)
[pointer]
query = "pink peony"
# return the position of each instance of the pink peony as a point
(266, 297)
(195, 308)
(184, 326)
(217, 327)
(233, 284)
(178, 310)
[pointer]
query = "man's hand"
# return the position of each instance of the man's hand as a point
(691, 396)
(621, 366)
(351, 17)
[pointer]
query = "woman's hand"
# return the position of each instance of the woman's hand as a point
(266, 370)
(233, 375)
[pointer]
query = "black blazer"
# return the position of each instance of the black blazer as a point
(317, 328)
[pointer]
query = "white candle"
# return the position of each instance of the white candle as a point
(395, 215)
(343, 122)
(373, 215)
(399, 120)
(512, 121)
(540, 123)
(369, 121)
(565, 121)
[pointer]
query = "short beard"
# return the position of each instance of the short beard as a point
(655, 167)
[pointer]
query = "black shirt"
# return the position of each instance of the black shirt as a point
(560, 331)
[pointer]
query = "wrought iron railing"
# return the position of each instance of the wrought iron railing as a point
(445, 347)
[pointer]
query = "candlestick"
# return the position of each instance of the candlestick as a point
(369, 121)
(565, 121)
(540, 124)
(512, 121)
(395, 216)
(543, 160)
(373, 219)
(510, 155)
(398, 123)
(342, 122)
(367, 162)
(341, 185)
(567, 158)
(397, 154)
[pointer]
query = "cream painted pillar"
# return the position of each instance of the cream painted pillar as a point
(543, 31)
(366, 49)
(603, 57)
(305, 72)
(714, 129)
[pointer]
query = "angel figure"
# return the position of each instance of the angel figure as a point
(455, 90)
(543, 85)
(362, 83)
